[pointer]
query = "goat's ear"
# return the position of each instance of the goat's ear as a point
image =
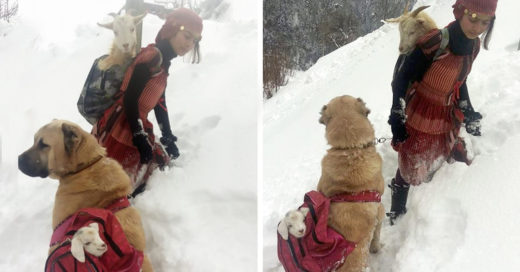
(283, 230)
(139, 18)
(393, 20)
(304, 210)
(76, 248)
(107, 25)
(94, 226)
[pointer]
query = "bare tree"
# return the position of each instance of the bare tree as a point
(8, 9)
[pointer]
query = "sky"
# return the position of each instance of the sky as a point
(465, 218)
(206, 203)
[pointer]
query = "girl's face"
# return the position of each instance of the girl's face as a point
(184, 41)
(474, 24)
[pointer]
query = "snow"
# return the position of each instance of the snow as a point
(206, 203)
(465, 218)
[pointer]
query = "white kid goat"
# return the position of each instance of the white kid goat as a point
(87, 239)
(412, 25)
(293, 223)
(125, 40)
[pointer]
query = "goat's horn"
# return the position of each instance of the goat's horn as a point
(419, 9)
(139, 18)
(107, 25)
(406, 7)
(393, 20)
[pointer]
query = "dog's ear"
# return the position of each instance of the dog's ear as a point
(324, 119)
(283, 229)
(363, 108)
(71, 138)
(76, 248)
(304, 210)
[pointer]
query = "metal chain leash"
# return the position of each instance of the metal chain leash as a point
(382, 140)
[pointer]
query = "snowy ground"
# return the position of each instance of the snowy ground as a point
(198, 216)
(465, 218)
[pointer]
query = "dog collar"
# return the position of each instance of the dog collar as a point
(361, 146)
(83, 167)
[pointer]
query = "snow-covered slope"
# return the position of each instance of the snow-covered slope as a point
(198, 216)
(464, 219)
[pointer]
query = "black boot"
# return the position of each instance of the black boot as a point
(399, 197)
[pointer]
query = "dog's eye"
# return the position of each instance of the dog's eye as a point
(42, 145)
(289, 226)
(87, 243)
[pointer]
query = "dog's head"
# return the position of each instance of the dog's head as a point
(346, 122)
(59, 148)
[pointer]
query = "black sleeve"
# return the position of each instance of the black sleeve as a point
(464, 101)
(161, 114)
(140, 76)
(409, 68)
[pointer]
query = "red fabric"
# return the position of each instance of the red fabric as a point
(433, 120)
(113, 131)
(120, 256)
(177, 18)
(129, 158)
(422, 154)
(364, 196)
(149, 98)
(306, 254)
(60, 231)
(119, 204)
(486, 7)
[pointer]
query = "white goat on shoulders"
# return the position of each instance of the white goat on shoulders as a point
(412, 25)
(87, 238)
(125, 40)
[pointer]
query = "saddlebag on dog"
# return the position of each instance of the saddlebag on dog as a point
(120, 255)
(321, 249)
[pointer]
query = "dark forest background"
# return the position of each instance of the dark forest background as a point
(298, 32)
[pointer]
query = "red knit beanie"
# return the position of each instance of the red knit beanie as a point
(181, 18)
(486, 7)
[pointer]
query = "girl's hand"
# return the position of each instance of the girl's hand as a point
(143, 145)
(472, 122)
(169, 143)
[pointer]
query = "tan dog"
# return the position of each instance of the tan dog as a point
(352, 165)
(64, 151)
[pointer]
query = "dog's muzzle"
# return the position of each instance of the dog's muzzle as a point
(32, 167)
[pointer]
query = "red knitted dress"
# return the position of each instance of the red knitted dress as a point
(433, 120)
(113, 131)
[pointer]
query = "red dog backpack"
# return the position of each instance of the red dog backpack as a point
(321, 249)
(119, 257)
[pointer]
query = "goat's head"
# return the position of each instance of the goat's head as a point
(124, 27)
(293, 223)
(87, 238)
(412, 25)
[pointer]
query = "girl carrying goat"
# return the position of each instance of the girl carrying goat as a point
(431, 100)
(124, 129)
